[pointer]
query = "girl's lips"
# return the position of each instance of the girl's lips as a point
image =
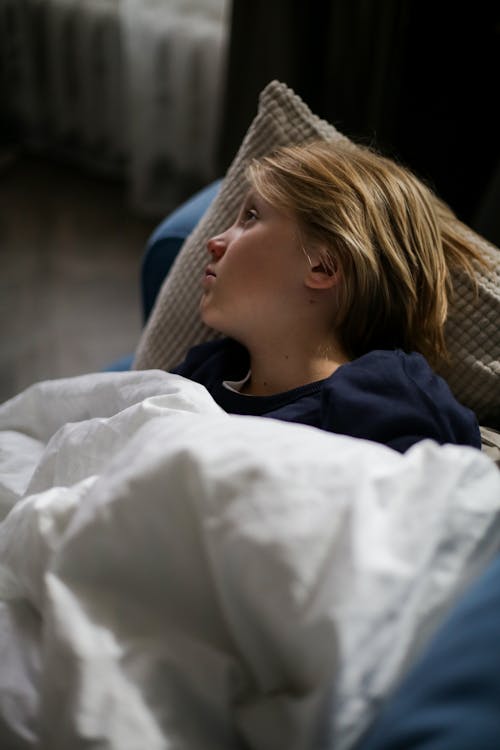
(208, 278)
(209, 271)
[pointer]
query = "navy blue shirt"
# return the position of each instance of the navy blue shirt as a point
(387, 396)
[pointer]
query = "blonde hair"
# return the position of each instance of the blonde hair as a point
(394, 240)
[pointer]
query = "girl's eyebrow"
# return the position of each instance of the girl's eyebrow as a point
(252, 198)
(247, 201)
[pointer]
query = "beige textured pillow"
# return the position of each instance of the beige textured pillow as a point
(473, 329)
(473, 336)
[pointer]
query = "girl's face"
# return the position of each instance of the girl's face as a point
(255, 274)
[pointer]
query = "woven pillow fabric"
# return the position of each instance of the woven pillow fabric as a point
(473, 335)
(473, 330)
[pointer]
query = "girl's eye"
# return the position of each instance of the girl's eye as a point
(249, 214)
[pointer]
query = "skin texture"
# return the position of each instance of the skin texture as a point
(263, 288)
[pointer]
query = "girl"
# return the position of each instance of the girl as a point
(331, 289)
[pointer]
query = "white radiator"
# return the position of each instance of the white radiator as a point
(132, 87)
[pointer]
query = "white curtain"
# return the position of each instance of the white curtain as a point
(130, 87)
(174, 53)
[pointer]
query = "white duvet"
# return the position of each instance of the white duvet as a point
(175, 577)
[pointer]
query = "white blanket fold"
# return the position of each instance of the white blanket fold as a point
(195, 579)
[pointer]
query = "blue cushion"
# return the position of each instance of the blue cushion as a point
(122, 364)
(450, 699)
(166, 241)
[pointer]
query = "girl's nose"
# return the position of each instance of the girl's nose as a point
(216, 246)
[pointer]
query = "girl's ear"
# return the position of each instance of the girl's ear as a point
(321, 274)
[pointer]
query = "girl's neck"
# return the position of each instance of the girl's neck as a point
(281, 369)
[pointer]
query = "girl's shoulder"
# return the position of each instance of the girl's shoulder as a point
(391, 368)
(380, 359)
(395, 397)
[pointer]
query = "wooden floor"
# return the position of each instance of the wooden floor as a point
(70, 253)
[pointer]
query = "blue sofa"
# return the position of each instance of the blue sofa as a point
(450, 698)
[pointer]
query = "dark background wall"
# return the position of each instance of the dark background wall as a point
(418, 79)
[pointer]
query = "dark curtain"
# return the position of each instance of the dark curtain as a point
(419, 80)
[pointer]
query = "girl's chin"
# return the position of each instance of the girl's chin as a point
(203, 306)
(207, 316)
(212, 317)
